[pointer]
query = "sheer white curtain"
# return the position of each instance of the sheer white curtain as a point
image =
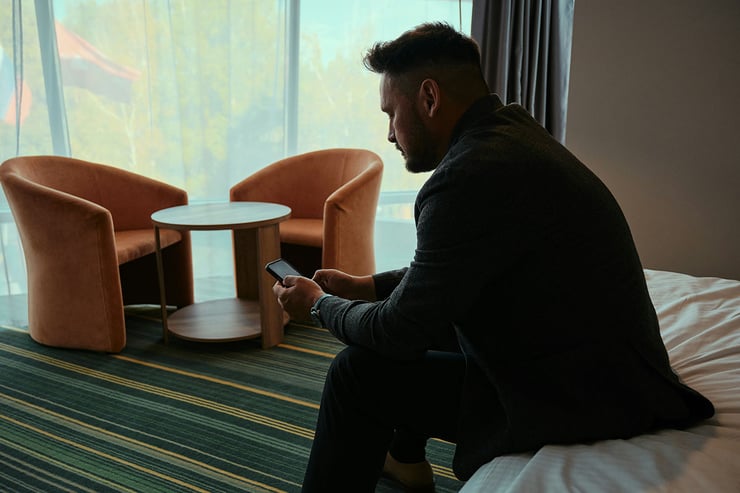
(201, 94)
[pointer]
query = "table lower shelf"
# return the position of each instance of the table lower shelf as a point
(231, 319)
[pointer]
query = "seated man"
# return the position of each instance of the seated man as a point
(525, 275)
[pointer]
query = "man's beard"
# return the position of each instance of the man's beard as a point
(417, 164)
(419, 155)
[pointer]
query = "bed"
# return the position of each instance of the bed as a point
(700, 325)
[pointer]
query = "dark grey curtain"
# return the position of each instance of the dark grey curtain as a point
(525, 49)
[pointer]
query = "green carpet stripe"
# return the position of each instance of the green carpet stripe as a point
(102, 454)
(134, 403)
(304, 431)
(168, 418)
(77, 434)
(160, 391)
(131, 459)
(44, 476)
(110, 435)
(245, 415)
(40, 476)
(219, 381)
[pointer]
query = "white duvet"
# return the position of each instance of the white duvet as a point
(700, 325)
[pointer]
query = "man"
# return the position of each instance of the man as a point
(525, 276)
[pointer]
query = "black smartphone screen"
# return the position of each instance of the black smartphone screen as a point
(280, 268)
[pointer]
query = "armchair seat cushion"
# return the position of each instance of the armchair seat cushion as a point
(135, 243)
(307, 232)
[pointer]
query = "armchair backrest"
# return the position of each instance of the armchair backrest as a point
(129, 197)
(304, 182)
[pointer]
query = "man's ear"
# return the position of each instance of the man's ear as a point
(429, 96)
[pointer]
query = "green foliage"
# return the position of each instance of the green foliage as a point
(207, 107)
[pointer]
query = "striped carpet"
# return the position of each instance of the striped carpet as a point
(183, 417)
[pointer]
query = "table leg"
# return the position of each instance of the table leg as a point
(246, 268)
(162, 294)
(271, 311)
(253, 248)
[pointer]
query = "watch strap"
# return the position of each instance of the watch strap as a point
(316, 309)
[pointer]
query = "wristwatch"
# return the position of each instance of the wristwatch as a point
(315, 311)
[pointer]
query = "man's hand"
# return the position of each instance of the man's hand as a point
(345, 285)
(297, 295)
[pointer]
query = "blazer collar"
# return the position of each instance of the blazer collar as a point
(480, 109)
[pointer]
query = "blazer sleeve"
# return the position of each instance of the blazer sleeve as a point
(386, 282)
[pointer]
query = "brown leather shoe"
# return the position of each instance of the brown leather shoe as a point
(416, 477)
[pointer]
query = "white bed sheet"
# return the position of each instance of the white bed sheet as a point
(700, 325)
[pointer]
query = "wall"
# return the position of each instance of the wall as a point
(654, 110)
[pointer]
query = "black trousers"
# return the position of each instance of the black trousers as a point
(371, 403)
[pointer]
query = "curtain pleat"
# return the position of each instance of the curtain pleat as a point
(525, 54)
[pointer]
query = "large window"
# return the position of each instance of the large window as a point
(201, 94)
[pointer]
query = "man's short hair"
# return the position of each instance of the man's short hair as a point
(427, 45)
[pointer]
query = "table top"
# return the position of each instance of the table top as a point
(221, 215)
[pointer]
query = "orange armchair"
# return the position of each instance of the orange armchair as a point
(89, 246)
(333, 195)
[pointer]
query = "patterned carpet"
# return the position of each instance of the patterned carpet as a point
(182, 417)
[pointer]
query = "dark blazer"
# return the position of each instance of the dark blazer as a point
(525, 258)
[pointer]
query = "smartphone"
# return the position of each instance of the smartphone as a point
(280, 268)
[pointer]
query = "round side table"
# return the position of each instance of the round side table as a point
(255, 311)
